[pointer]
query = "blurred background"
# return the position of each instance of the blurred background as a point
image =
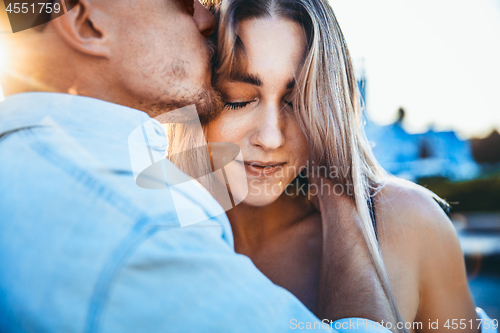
(429, 74)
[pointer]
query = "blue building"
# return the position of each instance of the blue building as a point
(414, 156)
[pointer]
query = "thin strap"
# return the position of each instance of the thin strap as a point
(443, 204)
(372, 215)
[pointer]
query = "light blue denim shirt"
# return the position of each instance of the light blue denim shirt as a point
(84, 249)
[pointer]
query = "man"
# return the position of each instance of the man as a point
(82, 247)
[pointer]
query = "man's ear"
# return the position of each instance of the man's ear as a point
(81, 29)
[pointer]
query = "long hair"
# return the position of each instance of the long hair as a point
(326, 100)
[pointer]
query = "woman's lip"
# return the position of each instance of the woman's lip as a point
(264, 164)
(263, 170)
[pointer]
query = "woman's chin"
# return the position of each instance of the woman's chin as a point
(259, 200)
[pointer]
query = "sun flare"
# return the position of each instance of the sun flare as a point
(3, 55)
(3, 62)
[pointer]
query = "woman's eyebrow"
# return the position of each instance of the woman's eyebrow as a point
(255, 80)
(247, 78)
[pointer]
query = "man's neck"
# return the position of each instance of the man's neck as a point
(16, 83)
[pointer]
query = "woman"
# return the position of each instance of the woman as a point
(291, 105)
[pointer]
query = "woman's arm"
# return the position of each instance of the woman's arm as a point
(424, 259)
(444, 291)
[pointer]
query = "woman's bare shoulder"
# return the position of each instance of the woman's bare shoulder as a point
(412, 224)
(418, 242)
(403, 204)
(422, 253)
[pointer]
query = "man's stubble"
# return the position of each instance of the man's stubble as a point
(207, 100)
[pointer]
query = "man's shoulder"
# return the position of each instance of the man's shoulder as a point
(74, 223)
(41, 161)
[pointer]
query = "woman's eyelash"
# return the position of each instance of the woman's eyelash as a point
(237, 105)
(240, 105)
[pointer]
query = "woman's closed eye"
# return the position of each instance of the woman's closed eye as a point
(240, 105)
(236, 105)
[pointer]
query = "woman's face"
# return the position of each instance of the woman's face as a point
(258, 114)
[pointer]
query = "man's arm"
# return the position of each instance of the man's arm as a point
(88, 259)
(188, 280)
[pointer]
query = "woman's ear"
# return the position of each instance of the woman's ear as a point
(81, 29)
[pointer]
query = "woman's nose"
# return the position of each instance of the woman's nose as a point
(269, 135)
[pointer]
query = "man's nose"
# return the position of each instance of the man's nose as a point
(204, 19)
(269, 135)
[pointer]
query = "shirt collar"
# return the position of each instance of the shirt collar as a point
(96, 126)
(30, 109)
(74, 113)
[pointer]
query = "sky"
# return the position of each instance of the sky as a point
(438, 59)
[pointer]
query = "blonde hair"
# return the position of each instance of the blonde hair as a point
(326, 100)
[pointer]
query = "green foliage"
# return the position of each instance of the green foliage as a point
(481, 194)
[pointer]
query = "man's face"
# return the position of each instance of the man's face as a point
(159, 53)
